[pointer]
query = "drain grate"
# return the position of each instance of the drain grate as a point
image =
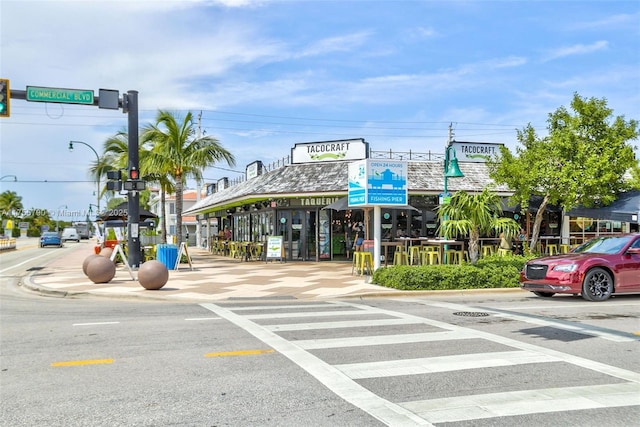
(471, 313)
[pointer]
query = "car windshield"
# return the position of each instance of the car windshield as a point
(603, 245)
(50, 234)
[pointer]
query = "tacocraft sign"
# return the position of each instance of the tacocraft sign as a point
(330, 151)
(478, 152)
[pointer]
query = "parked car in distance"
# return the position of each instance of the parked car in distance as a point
(50, 238)
(596, 269)
(70, 233)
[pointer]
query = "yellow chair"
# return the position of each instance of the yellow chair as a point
(552, 249)
(430, 257)
(362, 261)
(503, 252)
(400, 257)
(564, 249)
(234, 249)
(414, 254)
(487, 250)
(454, 256)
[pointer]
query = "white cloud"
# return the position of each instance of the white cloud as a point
(577, 49)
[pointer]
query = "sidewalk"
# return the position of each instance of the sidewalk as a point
(213, 278)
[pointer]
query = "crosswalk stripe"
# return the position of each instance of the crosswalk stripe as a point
(464, 408)
(427, 365)
(306, 314)
(382, 340)
(335, 325)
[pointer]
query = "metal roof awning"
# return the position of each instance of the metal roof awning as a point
(626, 208)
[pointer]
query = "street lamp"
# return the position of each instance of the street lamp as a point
(97, 165)
(15, 178)
(451, 170)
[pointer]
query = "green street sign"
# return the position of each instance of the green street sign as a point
(64, 96)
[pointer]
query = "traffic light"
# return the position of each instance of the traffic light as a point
(5, 97)
(115, 184)
(117, 175)
(134, 174)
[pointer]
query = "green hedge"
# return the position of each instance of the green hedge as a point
(489, 272)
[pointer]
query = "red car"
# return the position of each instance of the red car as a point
(596, 269)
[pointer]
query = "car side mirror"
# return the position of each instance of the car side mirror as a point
(634, 251)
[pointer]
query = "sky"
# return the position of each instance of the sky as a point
(264, 75)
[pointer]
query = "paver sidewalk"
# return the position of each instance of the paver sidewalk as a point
(213, 278)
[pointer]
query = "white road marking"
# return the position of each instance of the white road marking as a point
(340, 378)
(95, 323)
(581, 328)
(203, 318)
(428, 365)
(464, 408)
(23, 262)
(383, 410)
(381, 340)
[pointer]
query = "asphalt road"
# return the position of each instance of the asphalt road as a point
(474, 360)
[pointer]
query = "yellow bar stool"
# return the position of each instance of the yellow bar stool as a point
(455, 256)
(366, 263)
(400, 257)
(564, 248)
(503, 252)
(487, 250)
(414, 254)
(552, 249)
(430, 257)
(356, 261)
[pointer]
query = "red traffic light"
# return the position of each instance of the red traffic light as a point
(133, 174)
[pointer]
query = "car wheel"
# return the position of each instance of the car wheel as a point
(544, 294)
(597, 285)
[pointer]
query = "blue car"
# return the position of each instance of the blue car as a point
(50, 238)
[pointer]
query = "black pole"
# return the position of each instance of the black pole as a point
(133, 197)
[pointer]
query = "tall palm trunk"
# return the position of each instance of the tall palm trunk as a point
(474, 245)
(163, 213)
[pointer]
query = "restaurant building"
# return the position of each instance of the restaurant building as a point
(303, 199)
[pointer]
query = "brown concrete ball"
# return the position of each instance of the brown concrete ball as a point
(153, 275)
(86, 262)
(106, 252)
(101, 270)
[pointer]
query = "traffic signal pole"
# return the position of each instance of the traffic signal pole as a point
(108, 99)
(130, 103)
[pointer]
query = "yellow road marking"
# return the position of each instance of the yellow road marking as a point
(83, 362)
(238, 353)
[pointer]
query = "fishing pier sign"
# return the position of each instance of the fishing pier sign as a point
(378, 182)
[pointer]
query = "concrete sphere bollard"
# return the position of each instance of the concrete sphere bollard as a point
(153, 275)
(106, 252)
(101, 270)
(86, 262)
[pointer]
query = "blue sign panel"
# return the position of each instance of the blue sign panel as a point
(376, 182)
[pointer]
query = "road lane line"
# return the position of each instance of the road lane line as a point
(83, 362)
(95, 323)
(193, 319)
(23, 262)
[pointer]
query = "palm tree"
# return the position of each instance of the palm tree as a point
(473, 215)
(181, 154)
(11, 204)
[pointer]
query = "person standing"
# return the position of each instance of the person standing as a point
(359, 239)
